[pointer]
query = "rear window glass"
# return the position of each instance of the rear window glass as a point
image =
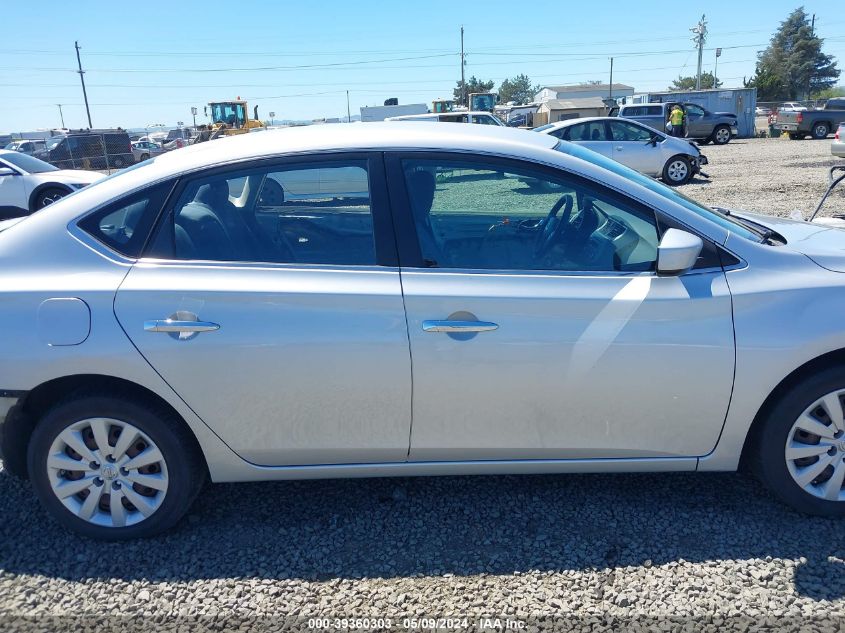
(125, 225)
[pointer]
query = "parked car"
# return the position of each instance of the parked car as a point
(815, 123)
(142, 150)
(93, 149)
(792, 106)
(762, 111)
(675, 160)
(481, 118)
(700, 123)
(28, 184)
(837, 148)
(190, 323)
(33, 147)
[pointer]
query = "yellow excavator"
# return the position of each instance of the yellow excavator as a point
(232, 117)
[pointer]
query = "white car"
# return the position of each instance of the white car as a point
(28, 184)
(479, 118)
(142, 150)
(650, 152)
(792, 106)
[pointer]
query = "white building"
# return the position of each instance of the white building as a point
(583, 91)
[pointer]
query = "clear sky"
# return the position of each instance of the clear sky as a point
(149, 62)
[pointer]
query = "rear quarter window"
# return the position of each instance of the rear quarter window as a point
(124, 225)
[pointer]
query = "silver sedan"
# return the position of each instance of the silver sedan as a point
(408, 299)
(675, 160)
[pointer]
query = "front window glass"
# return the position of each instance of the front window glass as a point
(693, 110)
(28, 163)
(589, 131)
(474, 215)
(625, 131)
(669, 193)
(308, 214)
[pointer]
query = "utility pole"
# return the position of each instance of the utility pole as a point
(610, 93)
(348, 111)
(699, 37)
(82, 79)
(463, 78)
(61, 116)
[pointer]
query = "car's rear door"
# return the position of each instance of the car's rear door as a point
(589, 134)
(534, 343)
(278, 316)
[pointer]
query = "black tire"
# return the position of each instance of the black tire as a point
(118, 162)
(670, 170)
(721, 135)
(767, 458)
(185, 465)
(794, 136)
(48, 196)
(144, 157)
(820, 131)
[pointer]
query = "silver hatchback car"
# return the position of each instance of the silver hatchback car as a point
(408, 299)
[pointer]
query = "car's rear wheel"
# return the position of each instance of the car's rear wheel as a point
(799, 451)
(820, 130)
(118, 162)
(677, 171)
(144, 157)
(795, 136)
(721, 135)
(49, 196)
(114, 469)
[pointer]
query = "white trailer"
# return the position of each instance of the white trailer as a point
(380, 113)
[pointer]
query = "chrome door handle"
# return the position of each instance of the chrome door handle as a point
(459, 326)
(171, 325)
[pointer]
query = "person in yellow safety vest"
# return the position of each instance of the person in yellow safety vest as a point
(676, 118)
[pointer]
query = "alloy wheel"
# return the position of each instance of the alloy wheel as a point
(677, 171)
(50, 198)
(107, 472)
(723, 135)
(815, 448)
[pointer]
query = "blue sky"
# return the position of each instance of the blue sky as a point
(151, 63)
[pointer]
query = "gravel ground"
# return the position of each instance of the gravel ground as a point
(775, 176)
(691, 552)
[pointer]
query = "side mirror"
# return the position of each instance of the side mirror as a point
(677, 252)
(7, 171)
(653, 141)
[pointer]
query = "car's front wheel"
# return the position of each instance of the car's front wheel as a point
(114, 469)
(721, 135)
(799, 451)
(48, 196)
(677, 171)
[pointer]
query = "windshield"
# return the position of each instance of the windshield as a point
(28, 163)
(232, 114)
(725, 221)
(53, 141)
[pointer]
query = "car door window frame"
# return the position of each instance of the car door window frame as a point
(162, 246)
(410, 252)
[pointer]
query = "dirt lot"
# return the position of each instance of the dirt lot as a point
(692, 552)
(765, 175)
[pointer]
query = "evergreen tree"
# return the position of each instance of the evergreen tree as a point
(793, 66)
(473, 85)
(518, 89)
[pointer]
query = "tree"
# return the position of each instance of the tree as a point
(473, 85)
(518, 89)
(830, 93)
(793, 65)
(688, 83)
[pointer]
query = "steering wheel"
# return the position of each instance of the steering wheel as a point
(552, 228)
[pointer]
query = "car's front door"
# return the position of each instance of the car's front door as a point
(13, 192)
(538, 327)
(278, 316)
(633, 146)
(697, 125)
